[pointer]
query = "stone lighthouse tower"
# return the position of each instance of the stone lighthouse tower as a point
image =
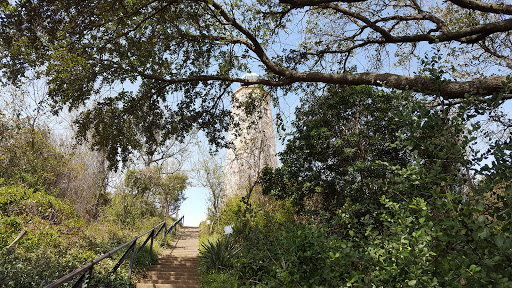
(252, 137)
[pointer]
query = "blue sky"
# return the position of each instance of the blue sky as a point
(195, 206)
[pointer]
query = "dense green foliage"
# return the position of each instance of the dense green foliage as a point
(381, 191)
(356, 144)
(27, 154)
(445, 242)
(31, 156)
(174, 62)
(58, 240)
(166, 190)
(38, 190)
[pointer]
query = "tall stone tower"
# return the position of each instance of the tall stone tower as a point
(253, 138)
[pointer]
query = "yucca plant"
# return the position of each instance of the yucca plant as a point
(217, 255)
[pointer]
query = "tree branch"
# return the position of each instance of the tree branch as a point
(468, 35)
(304, 3)
(484, 7)
(471, 99)
(256, 46)
(385, 34)
(447, 90)
(441, 25)
(487, 49)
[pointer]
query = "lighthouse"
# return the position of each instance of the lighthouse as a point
(252, 138)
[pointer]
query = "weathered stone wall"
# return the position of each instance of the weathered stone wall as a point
(253, 138)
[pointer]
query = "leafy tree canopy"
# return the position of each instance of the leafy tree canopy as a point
(357, 144)
(27, 155)
(184, 55)
(167, 191)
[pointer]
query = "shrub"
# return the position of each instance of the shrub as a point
(446, 241)
(217, 255)
(219, 280)
(288, 254)
(9, 227)
(59, 241)
(229, 214)
(128, 209)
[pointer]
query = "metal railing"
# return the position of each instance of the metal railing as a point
(85, 271)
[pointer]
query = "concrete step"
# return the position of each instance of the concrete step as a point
(172, 273)
(163, 261)
(170, 281)
(181, 270)
(170, 276)
(176, 267)
(173, 267)
(153, 285)
(190, 257)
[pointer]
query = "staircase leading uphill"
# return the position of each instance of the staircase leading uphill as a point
(176, 267)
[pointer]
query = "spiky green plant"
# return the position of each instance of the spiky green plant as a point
(217, 255)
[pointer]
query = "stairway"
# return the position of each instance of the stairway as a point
(176, 267)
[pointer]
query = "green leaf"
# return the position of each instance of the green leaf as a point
(499, 240)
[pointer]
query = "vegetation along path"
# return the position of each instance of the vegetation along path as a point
(176, 267)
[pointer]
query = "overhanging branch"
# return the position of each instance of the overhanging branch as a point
(448, 90)
(484, 7)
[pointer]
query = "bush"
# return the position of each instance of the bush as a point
(59, 241)
(128, 209)
(219, 280)
(288, 254)
(442, 240)
(9, 227)
(445, 241)
(42, 214)
(217, 255)
(230, 213)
